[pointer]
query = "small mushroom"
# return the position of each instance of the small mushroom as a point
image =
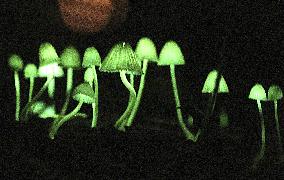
(274, 94)
(92, 59)
(258, 93)
(83, 93)
(171, 55)
(16, 64)
(146, 52)
(122, 59)
(69, 59)
(210, 84)
(30, 72)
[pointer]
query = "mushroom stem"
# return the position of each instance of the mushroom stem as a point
(68, 90)
(56, 125)
(95, 105)
(139, 94)
(277, 126)
(25, 111)
(262, 150)
(32, 81)
(51, 89)
(185, 130)
(18, 95)
(122, 120)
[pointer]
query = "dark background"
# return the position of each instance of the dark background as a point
(253, 52)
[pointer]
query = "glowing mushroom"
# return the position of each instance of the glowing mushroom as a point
(30, 72)
(122, 59)
(171, 55)
(16, 64)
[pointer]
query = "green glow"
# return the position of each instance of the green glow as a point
(70, 58)
(38, 107)
(49, 112)
(69, 86)
(30, 72)
(91, 58)
(16, 64)
(82, 93)
(146, 49)
(171, 55)
(190, 120)
(210, 82)
(257, 93)
(121, 58)
(47, 54)
(146, 52)
(223, 119)
(274, 94)
(89, 76)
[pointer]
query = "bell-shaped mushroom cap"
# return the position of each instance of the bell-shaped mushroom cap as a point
(85, 93)
(47, 54)
(146, 49)
(89, 75)
(50, 70)
(30, 71)
(16, 62)
(91, 58)
(257, 92)
(274, 93)
(209, 83)
(171, 55)
(121, 58)
(70, 58)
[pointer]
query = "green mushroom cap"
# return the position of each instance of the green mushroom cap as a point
(171, 55)
(16, 62)
(47, 54)
(70, 58)
(146, 49)
(209, 84)
(274, 93)
(121, 58)
(30, 71)
(85, 93)
(91, 58)
(257, 92)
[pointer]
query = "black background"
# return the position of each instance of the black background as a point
(253, 52)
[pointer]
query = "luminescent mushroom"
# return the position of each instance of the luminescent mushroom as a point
(122, 59)
(69, 59)
(258, 93)
(274, 94)
(16, 64)
(171, 55)
(92, 59)
(146, 52)
(30, 72)
(83, 93)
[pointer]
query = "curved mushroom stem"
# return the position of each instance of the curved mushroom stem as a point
(25, 111)
(122, 120)
(95, 105)
(185, 130)
(56, 125)
(32, 81)
(139, 95)
(18, 95)
(277, 127)
(68, 90)
(262, 150)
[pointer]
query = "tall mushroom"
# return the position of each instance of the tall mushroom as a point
(122, 59)
(30, 72)
(70, 59)
(92, 59)
(274, 94)
(83, 94)
(146, 52)
(171, 55)
(258, 93)
(16, 64)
